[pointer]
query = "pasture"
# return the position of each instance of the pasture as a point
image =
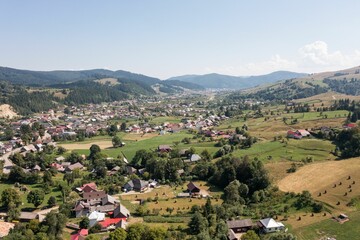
(166, 198)
(293, 150)
(330, 228)
(330, 177)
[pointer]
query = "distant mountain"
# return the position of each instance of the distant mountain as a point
(345, 81)
(43, 78)
(218, 81)
(61, 77)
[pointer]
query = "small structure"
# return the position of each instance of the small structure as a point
(136, 185)
(294, 135)
(192, 188)
(80, 235)
(27, 216)
(240, 226)
(74, 166)
(269, 225)
(195, 158)
(164, 148)
(95, 217)
(303, 133)
(121, 212)
(342, 218)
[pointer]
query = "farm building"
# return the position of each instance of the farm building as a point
(269, 225)
(136, 185)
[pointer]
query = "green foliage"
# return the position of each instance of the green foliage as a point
(10, 197)
(36, 197)
(116, 141)
(84, 223)
(118, 234)
(348, 141)
(250, 235)
(52, 201)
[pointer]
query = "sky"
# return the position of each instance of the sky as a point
(166, 38)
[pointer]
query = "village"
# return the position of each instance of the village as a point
(109, 184)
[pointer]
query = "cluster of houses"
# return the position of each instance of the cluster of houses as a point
(100, 208)
(238, 227)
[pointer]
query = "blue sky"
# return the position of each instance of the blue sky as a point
(169, 38)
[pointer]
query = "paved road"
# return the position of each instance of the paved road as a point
(8, 164)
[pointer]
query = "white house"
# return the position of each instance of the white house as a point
(95, 217)
(269, 225)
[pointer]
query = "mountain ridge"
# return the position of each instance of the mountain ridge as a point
(221, 81)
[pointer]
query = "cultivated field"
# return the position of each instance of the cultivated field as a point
(321, 177)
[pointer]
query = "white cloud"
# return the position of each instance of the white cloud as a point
(313, 57)
(316, 55)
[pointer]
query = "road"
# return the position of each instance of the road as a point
(7, 163)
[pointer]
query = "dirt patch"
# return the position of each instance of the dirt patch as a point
(77, 146)
(139, 137)
(6, 111)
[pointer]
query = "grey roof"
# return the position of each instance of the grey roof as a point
(121, 210)
(28, 215)
(108, 199)
(240, 223)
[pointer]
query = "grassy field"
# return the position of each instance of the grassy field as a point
(31, 187)
(167, 198)
(294, 150)
(320, 177)
(150, 142)
(330, 228)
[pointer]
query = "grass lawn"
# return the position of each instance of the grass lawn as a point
(294, 150)
(151, 144)
(167, 198)
(330, 228)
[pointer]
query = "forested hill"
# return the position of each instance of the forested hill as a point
(344, 81)
(43, 78)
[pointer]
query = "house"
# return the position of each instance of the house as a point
(110, 223)
(292, 134)
(122, 224)
(121, 212)
(27, 216)
(95, 196)
(81, 209)
(28, 148)
(130, 170)
(164, 148)
(60, 159)
(88, 187)
(95, 217)
(195, 158)
(269, 225)
(108, 200)
(136, 185)
(303, 133)
(74, 166)
(192, 188)
(238, 226)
